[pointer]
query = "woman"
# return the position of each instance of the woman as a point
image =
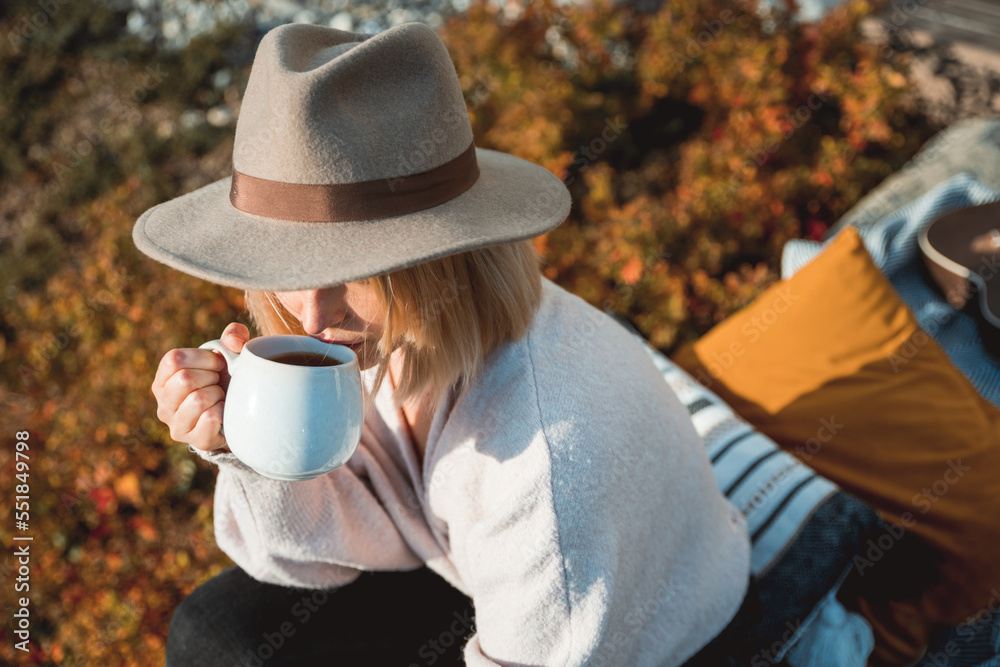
(518, 442)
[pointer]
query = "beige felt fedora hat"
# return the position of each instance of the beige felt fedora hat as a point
(353, 157)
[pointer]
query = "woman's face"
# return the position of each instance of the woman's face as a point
(347, 314)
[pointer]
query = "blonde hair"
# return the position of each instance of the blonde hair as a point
(447, 314)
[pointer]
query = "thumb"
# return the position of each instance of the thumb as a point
(235, 336)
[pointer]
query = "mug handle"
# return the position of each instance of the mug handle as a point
(230, 357)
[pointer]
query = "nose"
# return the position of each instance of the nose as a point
(321, 309)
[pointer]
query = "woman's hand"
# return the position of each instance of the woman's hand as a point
(190, 390)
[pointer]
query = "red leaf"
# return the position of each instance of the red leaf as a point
(102, 497)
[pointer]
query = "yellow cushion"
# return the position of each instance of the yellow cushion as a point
(833, 366)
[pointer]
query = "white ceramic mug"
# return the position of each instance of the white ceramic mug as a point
(286, 421)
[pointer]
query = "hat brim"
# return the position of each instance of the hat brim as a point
(203, 234)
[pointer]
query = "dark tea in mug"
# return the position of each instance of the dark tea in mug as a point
(304, 359)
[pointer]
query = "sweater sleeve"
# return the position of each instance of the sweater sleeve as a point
(317, 533)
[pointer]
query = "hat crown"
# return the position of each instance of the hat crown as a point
(325, 106)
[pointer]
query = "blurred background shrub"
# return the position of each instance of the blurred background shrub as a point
(696, 138)
(739, 131)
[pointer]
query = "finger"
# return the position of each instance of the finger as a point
(186, 357)
(235, 336)
(207, 433)
(190, 409)
(182, 383)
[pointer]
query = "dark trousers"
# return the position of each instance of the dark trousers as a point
(384, 619)
(737, 644)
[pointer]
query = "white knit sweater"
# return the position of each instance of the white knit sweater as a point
(565, 491)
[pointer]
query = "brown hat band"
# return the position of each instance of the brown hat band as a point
(365, 200)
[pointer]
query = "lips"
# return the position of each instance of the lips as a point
(349, 344)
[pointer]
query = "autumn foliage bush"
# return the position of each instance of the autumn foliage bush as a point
(696, 140)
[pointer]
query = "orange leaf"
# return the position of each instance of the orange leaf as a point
(632, 271)
(127, 486)
(144, 529)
